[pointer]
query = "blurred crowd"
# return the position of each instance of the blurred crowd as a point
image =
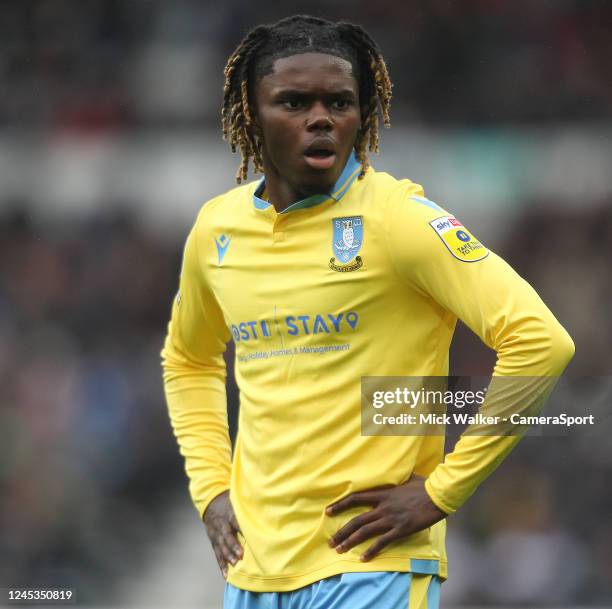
(109, 64)
(87, 458)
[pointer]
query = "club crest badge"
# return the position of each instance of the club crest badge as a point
(347, 238)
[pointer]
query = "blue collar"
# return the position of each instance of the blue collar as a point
(347, 177)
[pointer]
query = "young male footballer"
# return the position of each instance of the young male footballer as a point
(322, 272)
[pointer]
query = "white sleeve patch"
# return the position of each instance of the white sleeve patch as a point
(458, 239)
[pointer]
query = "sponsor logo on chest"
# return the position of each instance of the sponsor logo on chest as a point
(295, 325)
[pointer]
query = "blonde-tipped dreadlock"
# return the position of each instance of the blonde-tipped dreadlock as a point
(255, 56)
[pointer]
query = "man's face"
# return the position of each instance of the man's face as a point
(308, 116)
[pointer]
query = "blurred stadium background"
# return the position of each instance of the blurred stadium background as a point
(110, 142)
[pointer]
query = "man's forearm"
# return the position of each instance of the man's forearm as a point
(198, 414)
(480, 451)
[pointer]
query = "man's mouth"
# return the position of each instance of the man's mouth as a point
(320, 158)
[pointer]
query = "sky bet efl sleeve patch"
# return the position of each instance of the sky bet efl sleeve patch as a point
(458, 239)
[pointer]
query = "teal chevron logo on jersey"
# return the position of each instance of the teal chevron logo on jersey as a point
(222, 244)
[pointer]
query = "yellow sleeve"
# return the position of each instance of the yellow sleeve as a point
(194, 380)
(483, 291)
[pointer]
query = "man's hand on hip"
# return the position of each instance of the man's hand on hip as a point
(222, 528)
(398, 511)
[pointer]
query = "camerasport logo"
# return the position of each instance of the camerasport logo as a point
(459, 240)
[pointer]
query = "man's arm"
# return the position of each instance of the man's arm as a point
(508, 315)
(194, 383)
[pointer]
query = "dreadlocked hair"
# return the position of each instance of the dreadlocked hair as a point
(255, 55)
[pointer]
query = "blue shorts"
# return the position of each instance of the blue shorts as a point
(379, 589)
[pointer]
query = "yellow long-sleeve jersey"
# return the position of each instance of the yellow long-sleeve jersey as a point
(367, 281)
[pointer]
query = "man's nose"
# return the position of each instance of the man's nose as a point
(319, 118)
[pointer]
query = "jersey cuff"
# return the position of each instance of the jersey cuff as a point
(203, 504)
(440, 504)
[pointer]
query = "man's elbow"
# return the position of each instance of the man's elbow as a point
(562, 349)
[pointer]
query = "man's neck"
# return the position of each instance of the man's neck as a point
(280, 194)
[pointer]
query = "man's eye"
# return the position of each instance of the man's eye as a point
(342, 104)
(292, 104)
